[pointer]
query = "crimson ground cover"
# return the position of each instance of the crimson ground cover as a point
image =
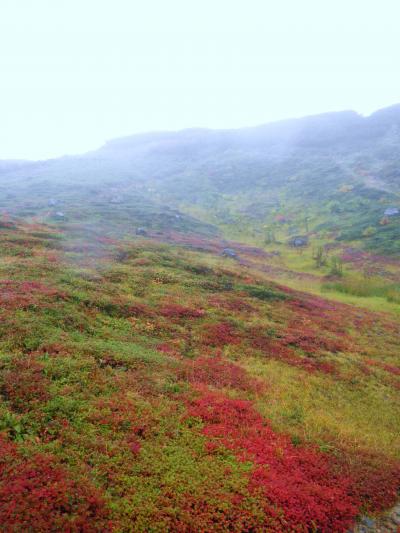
(144, 387)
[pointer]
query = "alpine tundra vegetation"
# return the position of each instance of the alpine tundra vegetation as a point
(199, 331)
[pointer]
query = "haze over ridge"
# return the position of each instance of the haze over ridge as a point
(75, 74)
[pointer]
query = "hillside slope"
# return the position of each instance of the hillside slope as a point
(145, 387)
(171, 359)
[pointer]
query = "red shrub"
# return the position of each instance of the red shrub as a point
(220, 335)
(231, 304)
(299, 488)
(218, 373)
(311, 341)
(385, 366)
(134, 445)
(142, 261)
(53, 349)
(376, 479)
(139, 309)
(326, 315)
(179, 311)
(51, 257)
(25, 384)
(210, 512)
(167, 348)
(6, 224)
(117, 412)
(277, 349)
(106, 240)
(22, 295)
(37, 494)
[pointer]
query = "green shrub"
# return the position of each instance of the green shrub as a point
(262, 293)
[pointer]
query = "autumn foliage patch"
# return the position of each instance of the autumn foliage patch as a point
(37, 494)
(385, 366)
(299, 488)
(220, 334)
(376, 479)
(219, 373)
(180, 311)
(232, 304)
(23, 295)
(24, 384)
(311, 341)
(280, 350)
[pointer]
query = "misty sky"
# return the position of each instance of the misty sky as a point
(77, 72)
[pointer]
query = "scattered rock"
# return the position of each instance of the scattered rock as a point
(387, 523)
(368, 522)
(229, 252)
(299, 241)
(391, 212)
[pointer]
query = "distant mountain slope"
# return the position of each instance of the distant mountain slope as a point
(341, 168)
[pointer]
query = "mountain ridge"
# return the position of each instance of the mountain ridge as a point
(240, 178)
